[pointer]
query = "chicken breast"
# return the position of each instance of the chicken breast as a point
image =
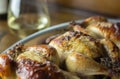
(73, 41)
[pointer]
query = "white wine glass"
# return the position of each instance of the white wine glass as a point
(27, 16)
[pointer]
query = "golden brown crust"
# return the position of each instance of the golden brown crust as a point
(79, 63)
(40, 62)
(46, 51)
(99, 27)
(7, 67)
(106, 30)
(92, 20)
(29, 69)
(76, 41)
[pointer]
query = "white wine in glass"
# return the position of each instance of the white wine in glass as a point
(27, 16)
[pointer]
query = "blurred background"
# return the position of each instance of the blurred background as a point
(77, 9)
(63, 11)
(108, 7)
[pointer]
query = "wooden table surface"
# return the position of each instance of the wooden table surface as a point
(58, 14)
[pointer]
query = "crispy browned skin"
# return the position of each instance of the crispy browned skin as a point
(92, 20)
(41, 62)
(99, 27)
(30, 69)
(34, 63)
(79, 63)
(7, 67)
(108, 33)
(106, 30)
(76, 42)
(45, 51)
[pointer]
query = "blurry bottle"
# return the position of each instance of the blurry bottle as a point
(3, 9)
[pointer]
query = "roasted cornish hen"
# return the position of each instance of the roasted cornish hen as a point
(90, 50)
